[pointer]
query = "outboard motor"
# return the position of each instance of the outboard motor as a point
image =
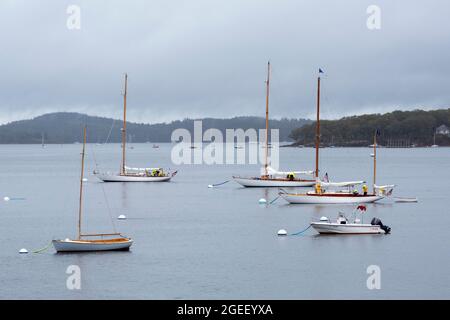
(377, 222)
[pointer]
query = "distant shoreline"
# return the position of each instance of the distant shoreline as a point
(207, 143)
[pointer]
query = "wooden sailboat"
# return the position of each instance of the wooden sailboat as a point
(341, 192)
(269, 176)
(336, 192)
(91, 242)
(128, 174)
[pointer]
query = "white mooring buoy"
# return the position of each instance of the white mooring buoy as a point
(6, 198)
(282, 232)
(262, 201)
(23, 250)
(121, 217)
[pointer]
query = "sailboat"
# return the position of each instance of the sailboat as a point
(269, 176)
(84, 242)
(341, 192)
(128, 174)
(434, 145)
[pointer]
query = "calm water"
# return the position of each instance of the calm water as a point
(195, 242)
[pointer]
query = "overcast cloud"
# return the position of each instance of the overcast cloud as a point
(201, 58)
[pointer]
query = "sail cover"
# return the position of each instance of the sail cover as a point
(275, 173)
(341, 184)
(141, 169)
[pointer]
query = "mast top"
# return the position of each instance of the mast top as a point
(266, 163)
(124, 127)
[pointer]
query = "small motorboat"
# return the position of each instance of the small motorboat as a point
(342, 225)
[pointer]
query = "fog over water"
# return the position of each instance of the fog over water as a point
(208, 58)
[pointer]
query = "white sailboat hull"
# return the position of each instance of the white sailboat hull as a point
(80, 245)
(294, 198)
(258, 182)
(106, 177)
(351, 228)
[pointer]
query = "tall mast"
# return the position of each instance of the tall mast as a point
(318, 128)
(124, 127)
(267, 118)
(374, 160)
(81, 184)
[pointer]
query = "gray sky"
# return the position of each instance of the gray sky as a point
(197, 58)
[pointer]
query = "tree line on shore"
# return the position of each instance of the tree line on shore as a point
(397, 128)
(66, 127)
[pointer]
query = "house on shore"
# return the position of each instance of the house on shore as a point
(443, 130)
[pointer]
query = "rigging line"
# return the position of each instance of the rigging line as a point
(104, 194)
(108, 208)
(93, 155)
(110, 130)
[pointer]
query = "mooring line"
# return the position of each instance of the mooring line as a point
(218, 184)
(42, 249)
(300, 232)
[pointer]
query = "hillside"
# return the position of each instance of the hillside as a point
(65, 127)
(398, 128)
